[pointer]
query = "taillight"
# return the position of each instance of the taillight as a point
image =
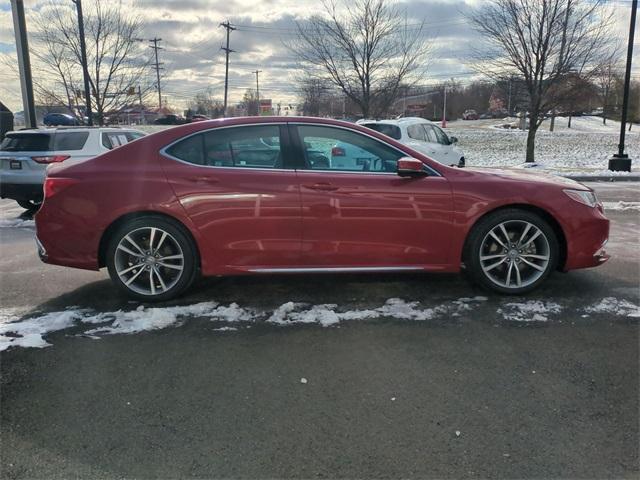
(54, 185)
(337, 152)
(50, 158)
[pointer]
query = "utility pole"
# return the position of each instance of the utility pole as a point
(83, 58)
(156, 65)
(257, 72)
(509, 100)
(24, 63)
(227, 51)
(561, 59)
(620, 160)
(444, 109)
(141, 106)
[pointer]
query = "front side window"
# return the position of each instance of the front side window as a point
(416, 132)
(430, 133)
(256, 146)
(329, 148)
(441, 136)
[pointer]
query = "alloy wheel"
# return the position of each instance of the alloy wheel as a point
(149, 261)
(514, 254)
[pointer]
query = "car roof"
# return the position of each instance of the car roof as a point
(71, 128)
(396, 121)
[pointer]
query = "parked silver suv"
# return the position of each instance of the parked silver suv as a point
(25, 154)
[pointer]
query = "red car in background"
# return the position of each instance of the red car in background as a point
(260, 195)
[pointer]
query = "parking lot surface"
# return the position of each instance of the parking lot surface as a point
(324, 376)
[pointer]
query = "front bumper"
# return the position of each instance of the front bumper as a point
(586, 244)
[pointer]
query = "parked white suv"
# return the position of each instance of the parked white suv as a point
(25, 154)
(421, 135)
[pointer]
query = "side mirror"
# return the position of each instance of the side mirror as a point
(453, 140)
(410, 167)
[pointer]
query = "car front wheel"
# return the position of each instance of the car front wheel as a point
(151, 259)
(512, 251)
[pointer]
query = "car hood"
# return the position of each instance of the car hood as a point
(526, 175)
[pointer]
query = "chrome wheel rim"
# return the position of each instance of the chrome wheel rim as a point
(149, 261)
(514, 254)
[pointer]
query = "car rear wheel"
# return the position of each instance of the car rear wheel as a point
(512, 251)
(151, 259)
(30, 205)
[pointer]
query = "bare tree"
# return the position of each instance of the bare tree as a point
(312, 92)
(114, 56)
(363, 47)
(250, 101)
(607, 77)
(205, 103)
(542, 41)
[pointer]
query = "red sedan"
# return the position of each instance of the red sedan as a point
(261, 195)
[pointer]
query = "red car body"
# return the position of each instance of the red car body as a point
(259, 220)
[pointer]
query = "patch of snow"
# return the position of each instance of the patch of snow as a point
(30, 332)
(622, 206)
(615, 306)
(530, 311)
(17, 223)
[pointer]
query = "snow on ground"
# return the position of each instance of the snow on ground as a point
(530, 311)
(615, 306)
(17, 223)
(585, 148)
(622, 206)
(31, 331)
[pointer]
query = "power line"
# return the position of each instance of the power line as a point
(157, 64)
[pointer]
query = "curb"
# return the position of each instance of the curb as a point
(604, 178)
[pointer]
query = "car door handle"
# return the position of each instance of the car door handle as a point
(325, 187)
(203, 179)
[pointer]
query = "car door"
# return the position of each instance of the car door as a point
(444, 146)
(233, 184)
(368, 216)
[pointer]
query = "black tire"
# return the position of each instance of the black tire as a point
(31, 205)
(476, 242)
(176, 232)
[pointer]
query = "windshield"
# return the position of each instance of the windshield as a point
(386, 129)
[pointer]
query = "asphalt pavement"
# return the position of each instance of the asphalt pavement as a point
(469, 393)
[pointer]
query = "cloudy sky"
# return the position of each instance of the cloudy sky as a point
(192, 39)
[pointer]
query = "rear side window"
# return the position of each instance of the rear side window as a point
(392, 131)
(249, 147)
(70, 140)
(27, 142)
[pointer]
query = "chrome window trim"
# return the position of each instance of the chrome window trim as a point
(163, 151)
(429, 168)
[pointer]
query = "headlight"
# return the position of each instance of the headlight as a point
(583, 196)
